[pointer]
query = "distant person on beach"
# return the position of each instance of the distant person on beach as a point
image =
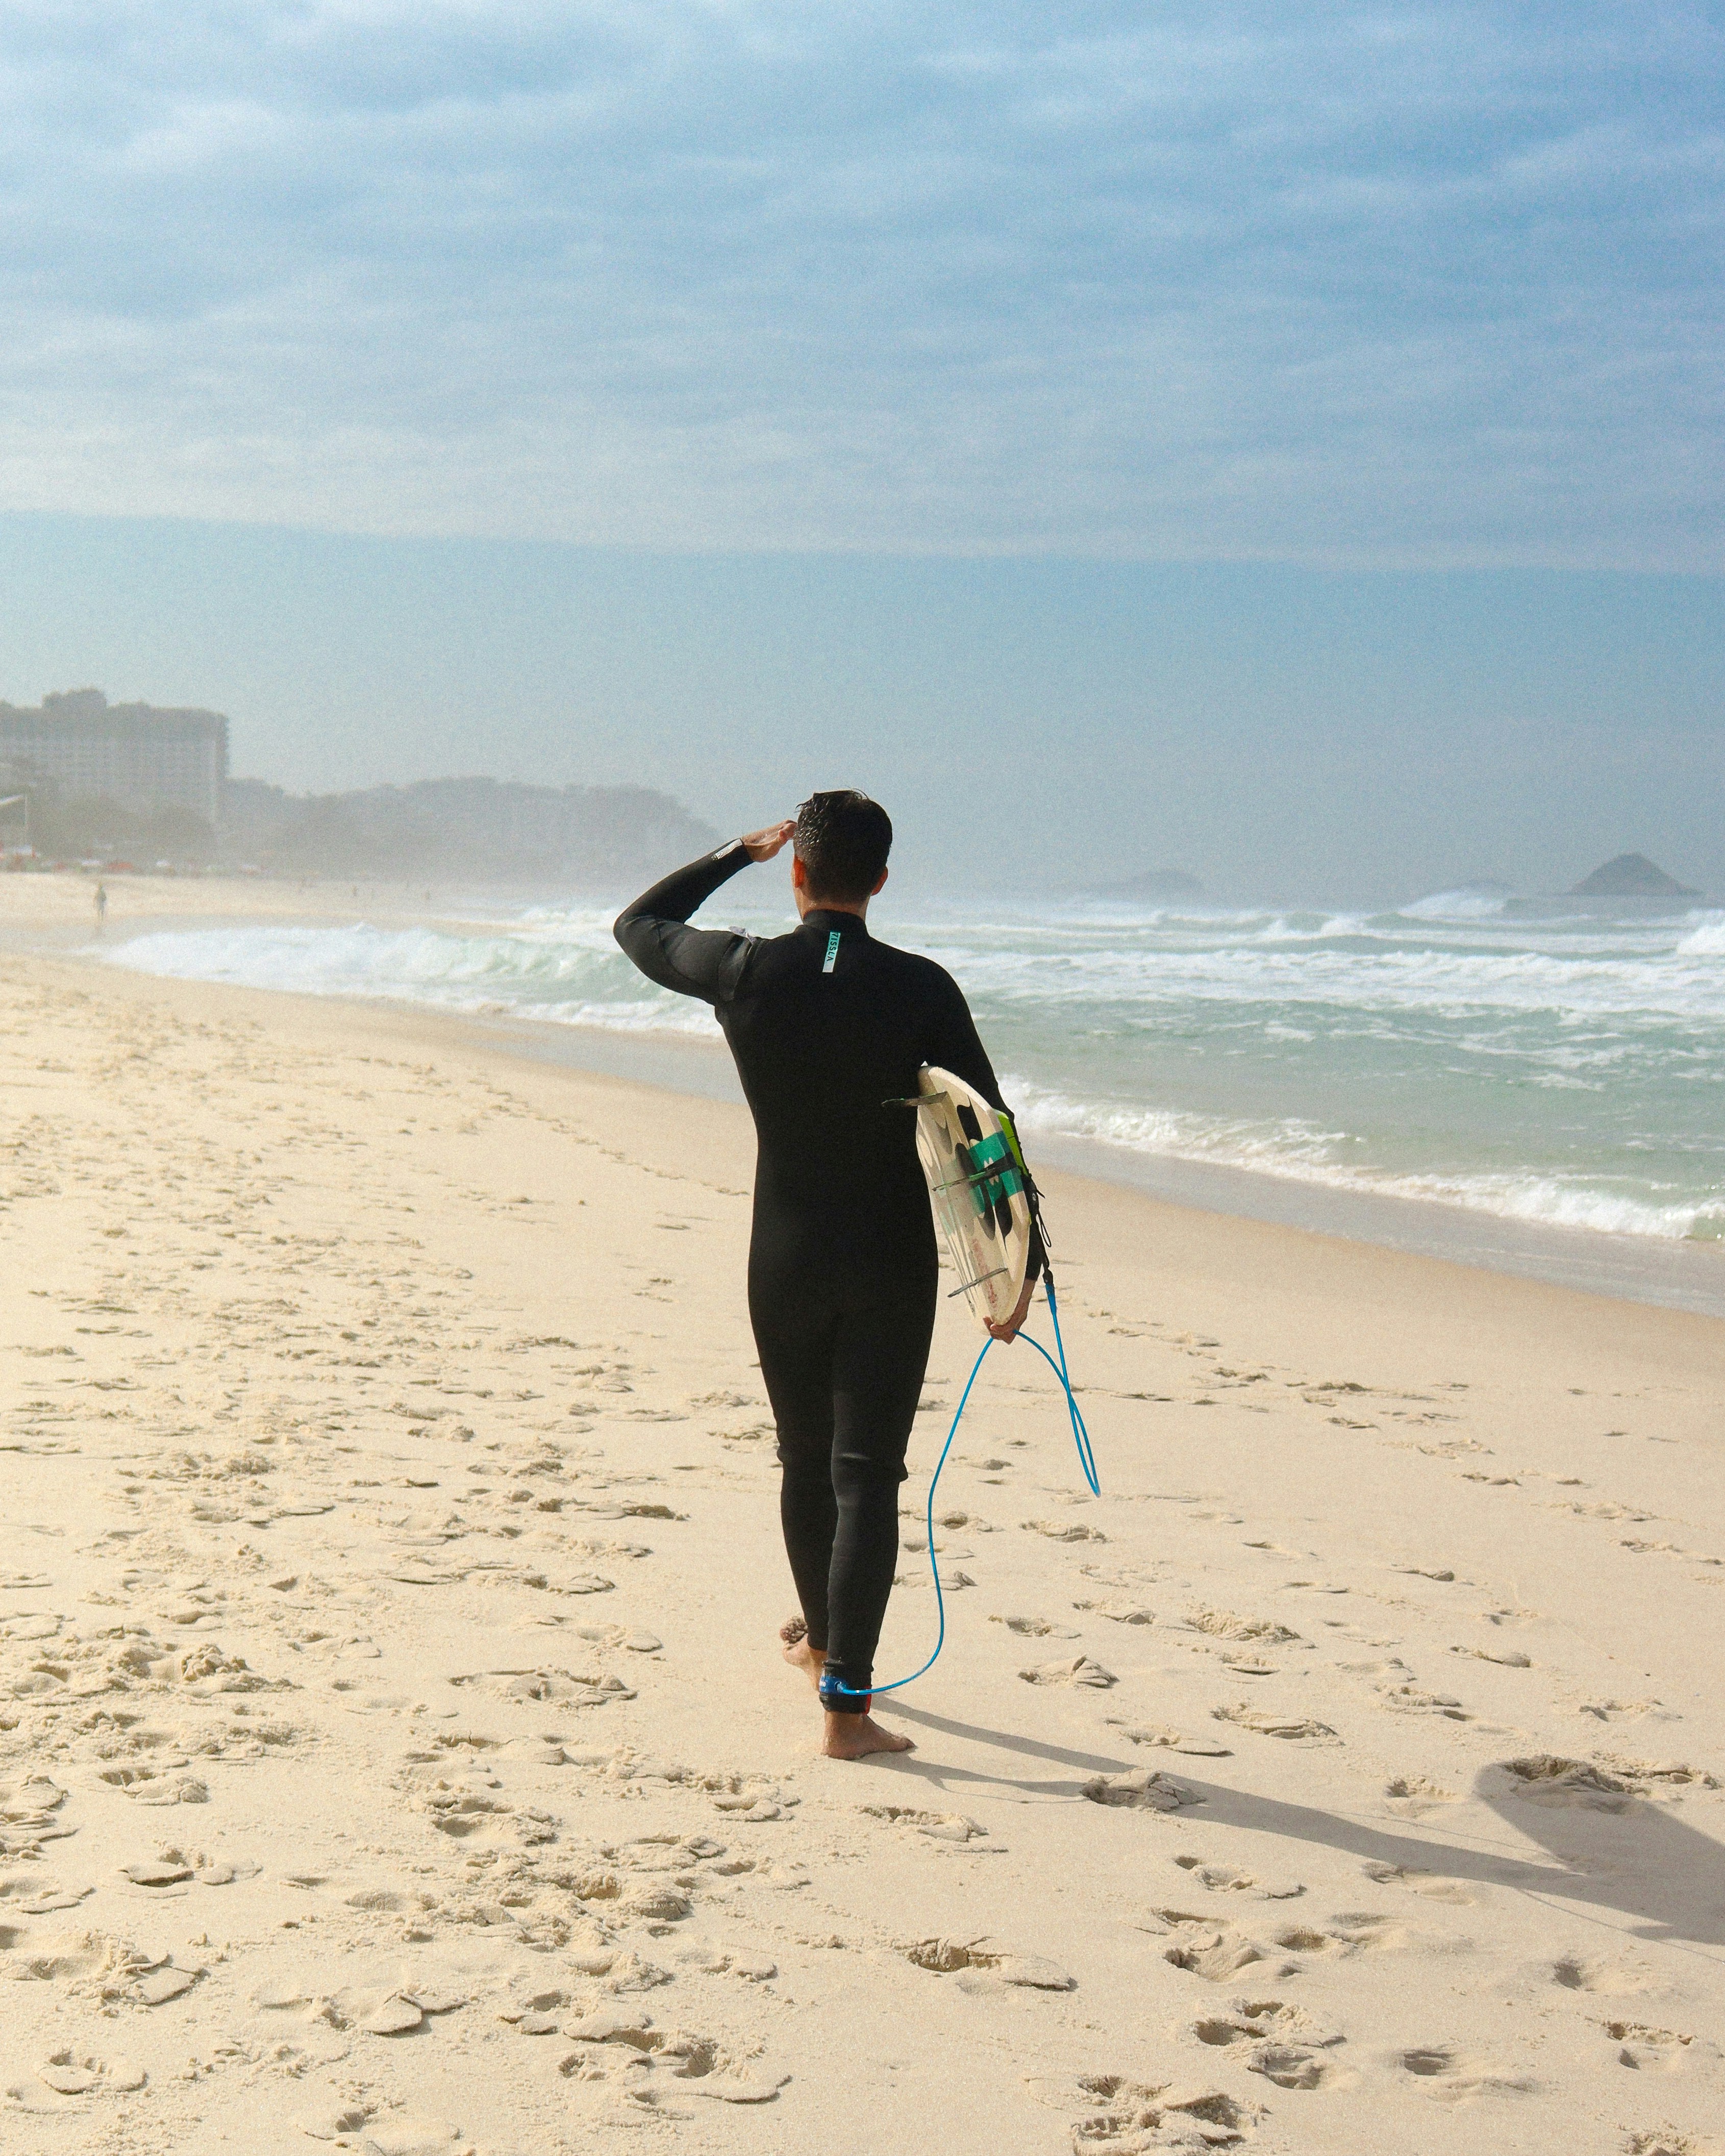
(101, 905)
(829, 1029)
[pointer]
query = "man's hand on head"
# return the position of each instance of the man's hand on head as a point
(1007, 1330)
(762, 846)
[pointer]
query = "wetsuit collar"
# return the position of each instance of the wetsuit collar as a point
(827, 919)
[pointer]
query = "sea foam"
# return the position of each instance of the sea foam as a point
(571, 973)
(1569, 1068)
(1302, 1153)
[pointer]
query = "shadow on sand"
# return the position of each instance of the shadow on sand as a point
(1607, 1848)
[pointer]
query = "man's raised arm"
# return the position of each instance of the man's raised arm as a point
(653, 929)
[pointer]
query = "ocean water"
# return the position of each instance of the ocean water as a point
(1559, 1065)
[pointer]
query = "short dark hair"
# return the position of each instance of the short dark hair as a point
(843, 840)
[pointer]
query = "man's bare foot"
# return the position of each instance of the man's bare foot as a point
(797, 1652)
(855, 1736)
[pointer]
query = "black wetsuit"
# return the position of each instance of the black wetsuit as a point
(827, 1025)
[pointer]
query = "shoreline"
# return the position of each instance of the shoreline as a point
(1674, 1274)
(1670, 1273)
(1221, 1238)
(1150, 1230)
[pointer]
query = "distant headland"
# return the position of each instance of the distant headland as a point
(116, 786)
(462, 829)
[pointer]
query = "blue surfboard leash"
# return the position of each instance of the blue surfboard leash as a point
(1086, 1460)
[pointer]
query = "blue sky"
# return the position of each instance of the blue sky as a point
(1335, 290)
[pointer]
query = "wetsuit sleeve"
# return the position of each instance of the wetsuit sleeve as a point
(653, 931)
(956, 1046)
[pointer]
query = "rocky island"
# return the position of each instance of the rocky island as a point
(1630, 876)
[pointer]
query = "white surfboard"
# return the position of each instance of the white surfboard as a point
(977, 1185)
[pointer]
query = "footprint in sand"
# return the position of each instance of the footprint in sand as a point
(1223, 1624)
(988, 1958)
(714, 2071)
(1081, 1669)
(1432, 1884)
(564, 1687)
(467, 1809)
(1617, 1710)
(1262, 2020)
(1410, 1796)
(1551, 1779)
(1582, 1972)
(1128, 1576)
(1036, 1628)
(1154, 1733)
(745, 1801)
(1452, 2075)
(409, 2137)
(1144, 1790)
(1228, 1879)
(675, 1853)
(151, 1785)
(74, 2073)
(751, 1969)
(159, 1872)
(1294, 1728)
(205, 1871)
(1203, 1947)
(611, 1636)
(954, 1827)
(43, 1901)
(1658, 2050)
(1414, 1699)
(338, 2121)
(1114, 2115)
(1672, 1773)
(1370, 1930)
(1121, 1610)
(1296, 2066)
(28, 1816)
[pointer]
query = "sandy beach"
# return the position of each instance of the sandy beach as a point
(395, 1749)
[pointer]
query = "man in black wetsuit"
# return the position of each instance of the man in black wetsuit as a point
(829, 1029)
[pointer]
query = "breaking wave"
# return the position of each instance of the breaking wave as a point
(572, 974)
(1304, 1154)
(1568, 1069)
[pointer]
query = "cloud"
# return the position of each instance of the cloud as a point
(1397, 284)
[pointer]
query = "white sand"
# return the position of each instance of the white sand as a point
(392, 1735)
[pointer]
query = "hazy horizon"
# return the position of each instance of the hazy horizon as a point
(1277, 731)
